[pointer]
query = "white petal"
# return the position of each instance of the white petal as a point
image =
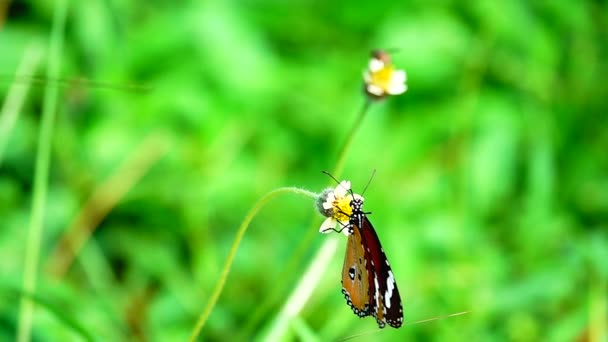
(375, 90)
(340, 192)
(375, 65)
(346, 231)
(342, 189)
(397, 89)
(328, 225)
(331, 197)
(345, 184)
(328, 205)
(367, 77)
(398, 76)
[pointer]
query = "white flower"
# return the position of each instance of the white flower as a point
(337, 207)
(381, 78)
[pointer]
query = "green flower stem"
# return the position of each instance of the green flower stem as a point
(349, 139)
(43, 157)
(235, 245)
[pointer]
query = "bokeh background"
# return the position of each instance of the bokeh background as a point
(491, 186)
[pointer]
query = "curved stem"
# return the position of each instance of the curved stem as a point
(235, 245)
(349, 139)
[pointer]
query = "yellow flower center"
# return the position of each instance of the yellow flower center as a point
(342, 210)
(382, 78)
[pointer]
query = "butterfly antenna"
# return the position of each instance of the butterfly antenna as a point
(338, 182)
(369, 182)
(331, 176)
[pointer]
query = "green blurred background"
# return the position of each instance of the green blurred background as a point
(491, 191)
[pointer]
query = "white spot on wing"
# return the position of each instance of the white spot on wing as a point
(390, 286)
(377, 294)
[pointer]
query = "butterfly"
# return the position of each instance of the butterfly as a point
(368, 283)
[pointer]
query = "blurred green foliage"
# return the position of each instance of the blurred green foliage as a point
(491, 192)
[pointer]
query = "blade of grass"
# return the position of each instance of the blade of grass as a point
(598, 312)
(35, 230)
(304, 332)
(102, 200)
(17, 93)
(54, 308)
(302, 292)
(80, 82)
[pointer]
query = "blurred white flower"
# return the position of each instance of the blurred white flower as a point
(381, 78)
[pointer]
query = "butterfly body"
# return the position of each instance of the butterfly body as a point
(368, 283)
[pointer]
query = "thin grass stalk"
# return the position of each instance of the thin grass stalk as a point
(16, 95)
(105, 197)
(41, 174)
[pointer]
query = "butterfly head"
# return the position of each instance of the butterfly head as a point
(356, 204)
(337, 205)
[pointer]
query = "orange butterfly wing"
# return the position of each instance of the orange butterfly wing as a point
(355, 285)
